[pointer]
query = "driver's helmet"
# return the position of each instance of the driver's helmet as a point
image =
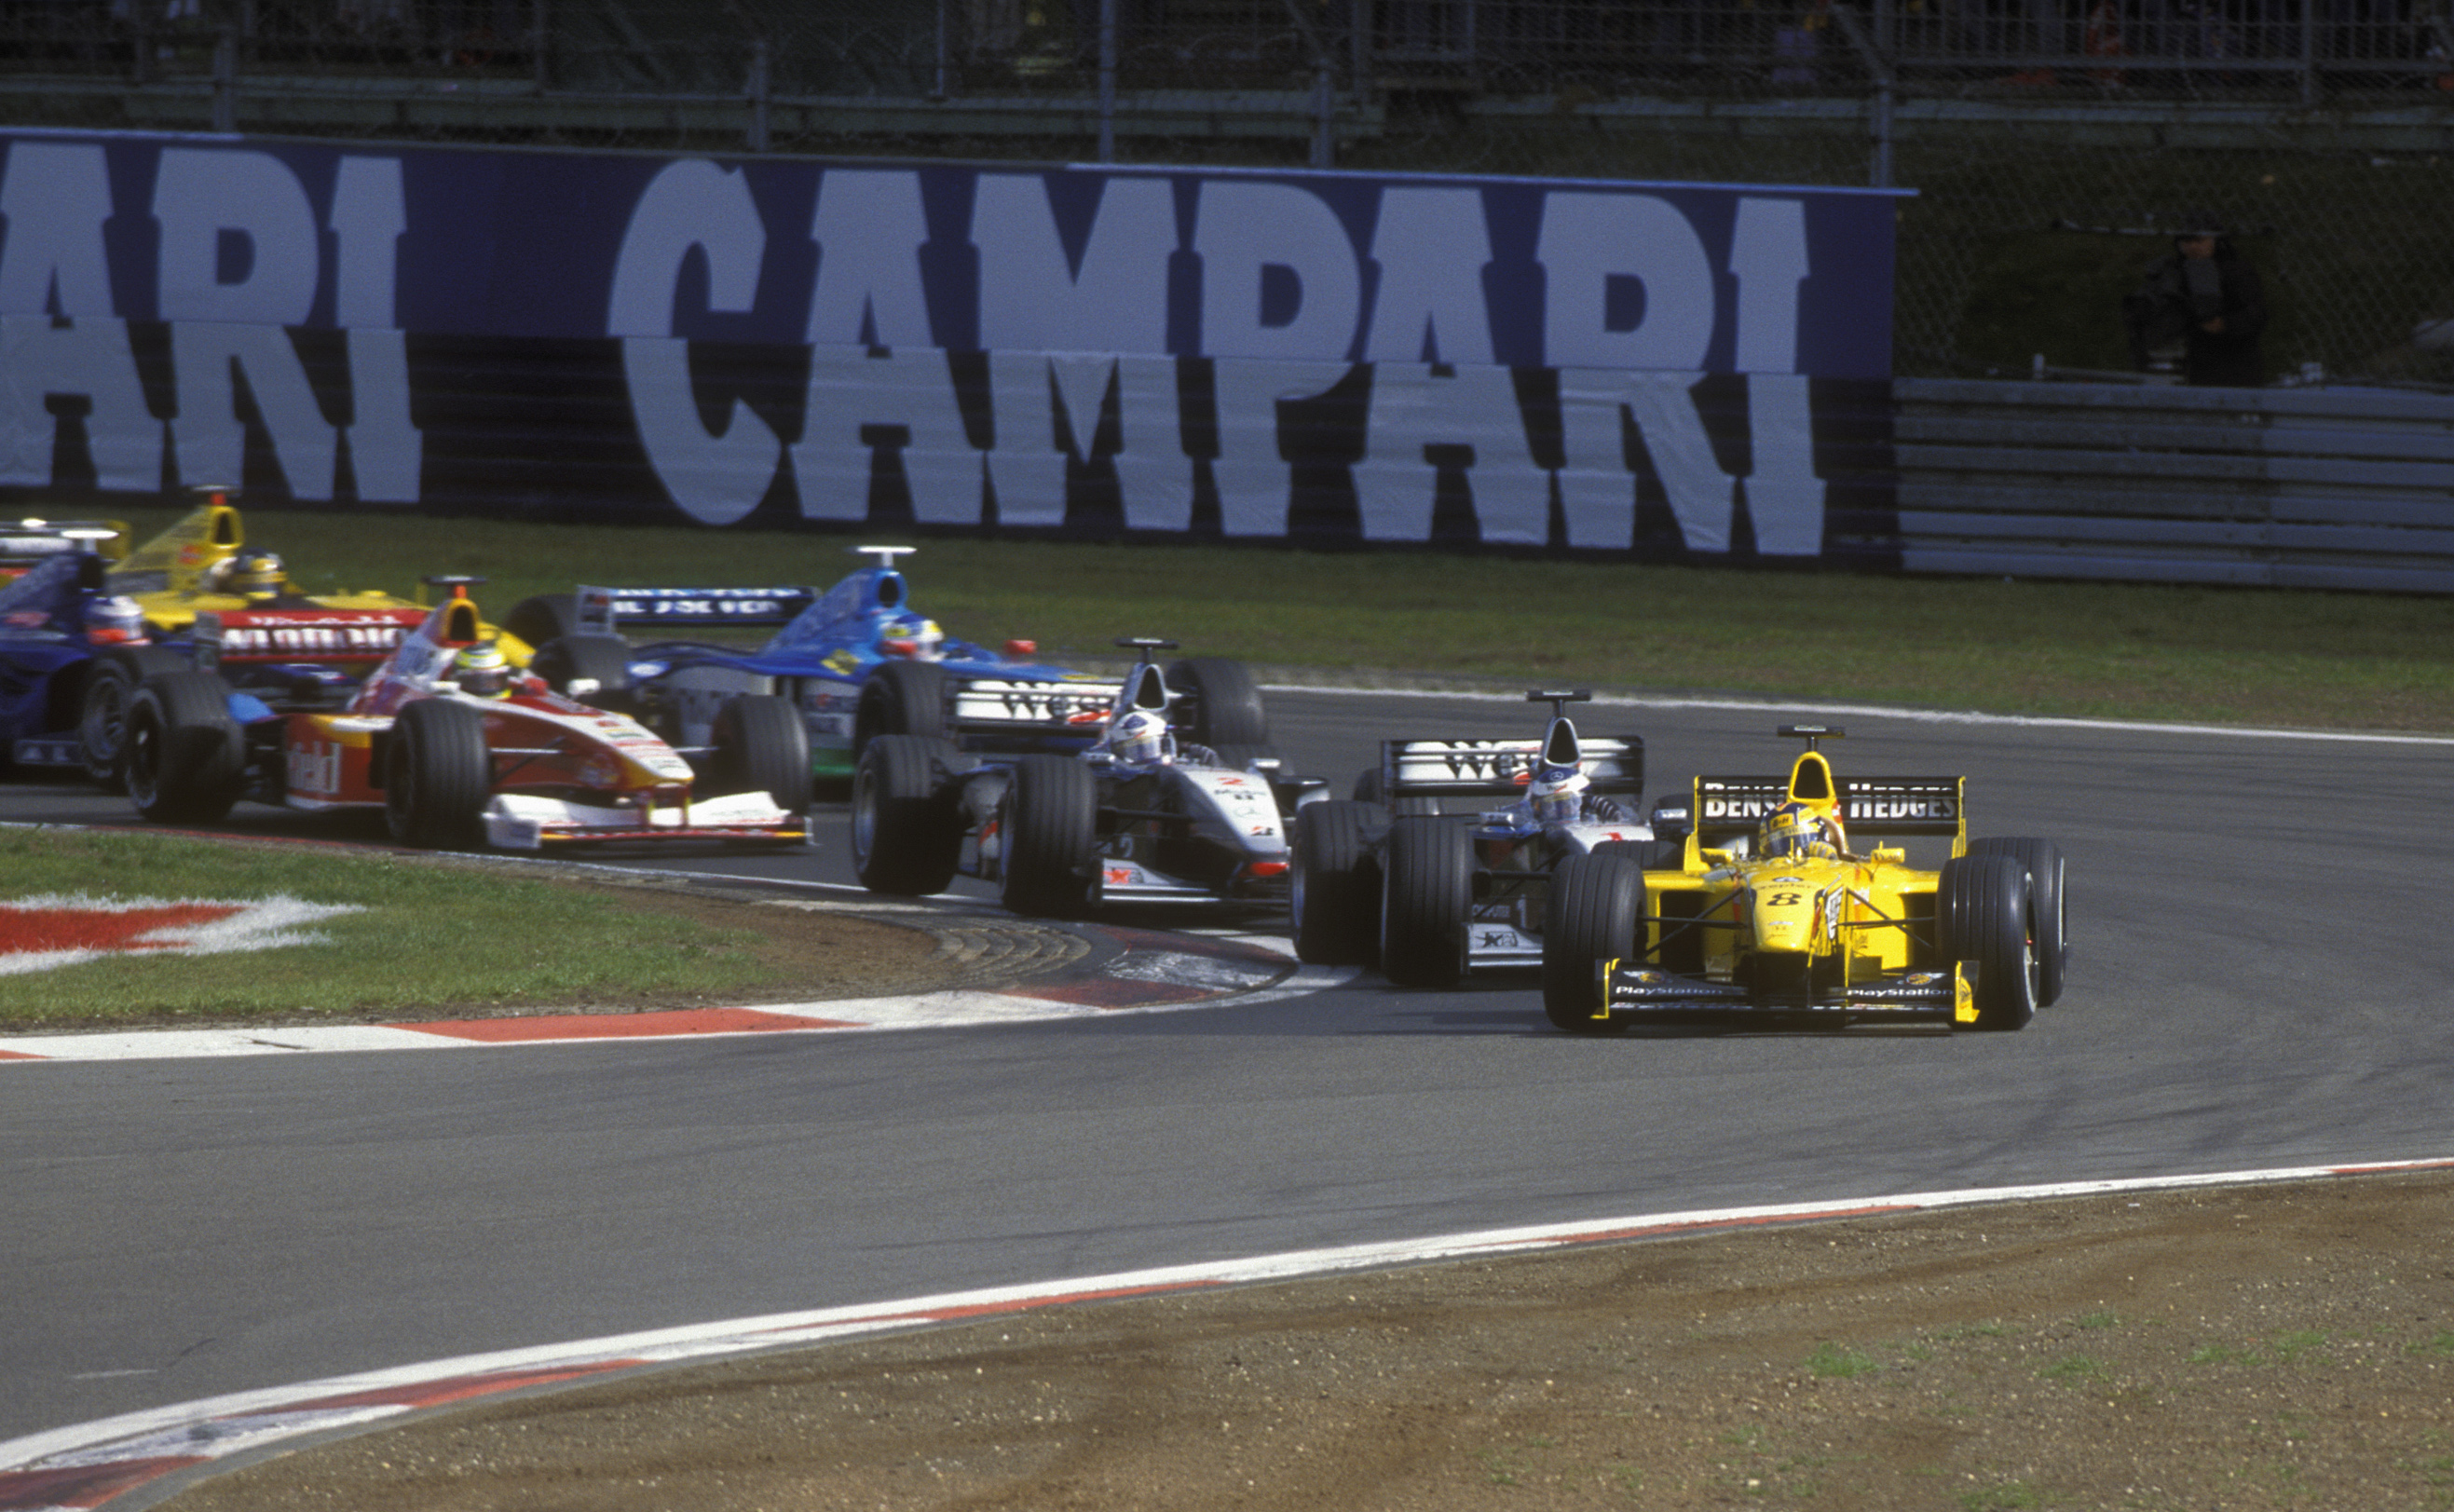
(1800, 829)
(1558, 795)
(919, 639)
(114, 620)
(1139, 737)
(485, 672)
(251, 574)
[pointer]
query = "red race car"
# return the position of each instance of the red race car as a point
(460, 748)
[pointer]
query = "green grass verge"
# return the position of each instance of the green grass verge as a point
(2224, 656)
(430, 935)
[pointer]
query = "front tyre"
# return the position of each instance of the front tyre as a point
(761, 746)
(1984, 912)
(900, 698)
(906, 834)
(2043, 860)
(1595, 913)
(438, 775)
(186, 759)
(1051, 866)
(1334, 889)
(1427, 884)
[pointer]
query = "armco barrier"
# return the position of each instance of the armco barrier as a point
(2298, 488)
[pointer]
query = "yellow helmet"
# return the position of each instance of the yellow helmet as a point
(1800, 829)
(252, 575)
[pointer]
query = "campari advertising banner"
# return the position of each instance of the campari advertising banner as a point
(1679, 368)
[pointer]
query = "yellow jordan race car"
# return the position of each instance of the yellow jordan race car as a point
(208, 600)
(1773, 915)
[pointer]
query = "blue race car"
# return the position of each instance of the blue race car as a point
(71, 648)
(858, 661)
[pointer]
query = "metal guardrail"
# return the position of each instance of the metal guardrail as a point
(2297, 488)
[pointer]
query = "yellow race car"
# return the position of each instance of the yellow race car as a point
(202, 565)
(1773, 915)
(198, 596)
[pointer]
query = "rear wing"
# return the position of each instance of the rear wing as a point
(1614, 764)
(24, 543)
(999, 707)
(1880, 807)
(601, 609)
(334, 636)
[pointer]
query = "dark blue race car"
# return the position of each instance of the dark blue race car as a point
(858, 661)
(71, 649)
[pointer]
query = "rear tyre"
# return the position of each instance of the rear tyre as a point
(1427, 883)
(604, 661)
(111, 682)
(1226, 706)
(543, 618)
(185, 757)
(761, 747)
(1594, 915)
(1982, 908)
(900, 698)
(2043, 860)
(437, 776)
(906, 834)
(1051, 867)
(1334, 890)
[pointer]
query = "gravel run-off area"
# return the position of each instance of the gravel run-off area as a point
(2261, 1346)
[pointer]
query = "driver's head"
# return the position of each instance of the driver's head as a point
(1557, 794)
(919, 639)
(485, 672)
(1139, 738)
(114, 620)
(252, 575)
(1799, 830)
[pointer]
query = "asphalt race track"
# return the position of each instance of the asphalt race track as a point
(2259, 979)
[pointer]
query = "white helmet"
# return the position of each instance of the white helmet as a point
(114, 620)
(1557, 794)
(1139, 737)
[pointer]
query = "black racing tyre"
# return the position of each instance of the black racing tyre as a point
(2043, 860)
(437, 776)
(1982, 911)
(111, 682)
(760, 746)
(1367, 790)
(900, 698)
(1426, 886)
(543, 618)
(907, 833)
(1219, 705)
(185, 758)
(602, 659)
(1334, 886)
(1595, 913)
(1052, 866)
(1649, 855)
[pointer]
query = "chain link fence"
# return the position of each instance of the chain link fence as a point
(2054, 143)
